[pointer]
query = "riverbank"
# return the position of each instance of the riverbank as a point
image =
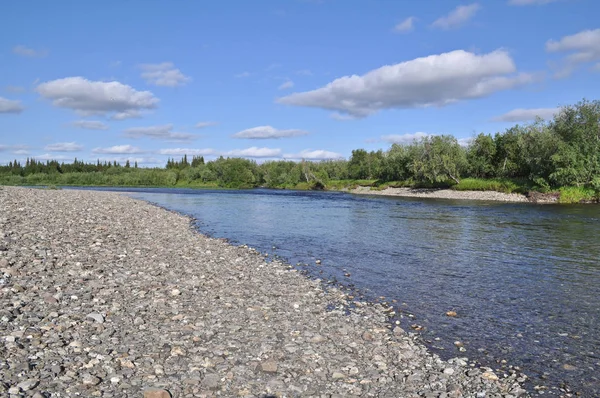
(445, 194)
(103, 295)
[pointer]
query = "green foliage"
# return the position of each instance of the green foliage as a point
(437, 159)
(578, 195)
(577, 160)
(495, 184)
(480, 156)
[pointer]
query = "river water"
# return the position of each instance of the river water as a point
(523, 279)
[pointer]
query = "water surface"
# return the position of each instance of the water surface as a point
(524, 279)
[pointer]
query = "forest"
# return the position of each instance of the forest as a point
(562, 155)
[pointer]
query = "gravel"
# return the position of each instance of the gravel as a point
(443, 194)
(102, 295)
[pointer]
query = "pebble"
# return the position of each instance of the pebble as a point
(96, 317)
(156, 393)
(82, 319)
(269, 366)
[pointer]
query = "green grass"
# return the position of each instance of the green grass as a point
(496, 184)
(578, 195)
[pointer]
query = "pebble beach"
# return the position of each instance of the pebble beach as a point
(102, 295)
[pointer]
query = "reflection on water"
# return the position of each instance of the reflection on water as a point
(524, 279)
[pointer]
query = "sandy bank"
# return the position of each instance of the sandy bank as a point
(443, 194)
(102, 295)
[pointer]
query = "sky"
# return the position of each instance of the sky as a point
(281, 79)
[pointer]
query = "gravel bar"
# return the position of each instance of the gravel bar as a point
(102, 295)
(443, 194)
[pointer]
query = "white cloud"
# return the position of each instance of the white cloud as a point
(119, 149)
(529, 2)
(436, 80)
(523, 115)
(201, 125)
(63, 147)
(162, 132)
(89, 124)
(304, 72)
(404, 138)
(465, 142)
(130, 114)
(286, 84)
(254, 152)
(405, 26)
(95, 97)
(584, 47)
(10, 106)
(16, 149)
(115, 64)
(242, 75)
(29, 52)
(265, 132)
(318, 154)
(15, 89)
(339, 116)
(187, 151)
(457, 17)
(48, 156)
(164, 74)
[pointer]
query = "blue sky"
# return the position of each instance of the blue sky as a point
(266, 79)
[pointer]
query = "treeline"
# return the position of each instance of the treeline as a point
(543, 155)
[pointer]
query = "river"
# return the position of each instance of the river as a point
(523, 279)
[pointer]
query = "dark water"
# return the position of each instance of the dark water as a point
(524, 279)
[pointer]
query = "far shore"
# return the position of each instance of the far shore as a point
(443, 194)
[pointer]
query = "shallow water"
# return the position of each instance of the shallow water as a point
(524, 279)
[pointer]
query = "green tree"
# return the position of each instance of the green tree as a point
(438, 158)
(480, 156)
(577, 161)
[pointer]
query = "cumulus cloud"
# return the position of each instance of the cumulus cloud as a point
(317, 154)
(405, 26)
(10, 106)
(187, 151)
(342, 117)
(254, 152)
(63, 147)
(465, 141)
(89, 124)
(583, 48)
(404, 138)
(130, 114)
(119, 149)
(201, 125)
(265, 132)
(242, 75)
(16, 149)
(529, 2)
(49, 156)
(285, 85)
(524, 115)
(29, 52)
(163, 74)
(436, 80)
(88, 97)
(161, 132)
(457, 17)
